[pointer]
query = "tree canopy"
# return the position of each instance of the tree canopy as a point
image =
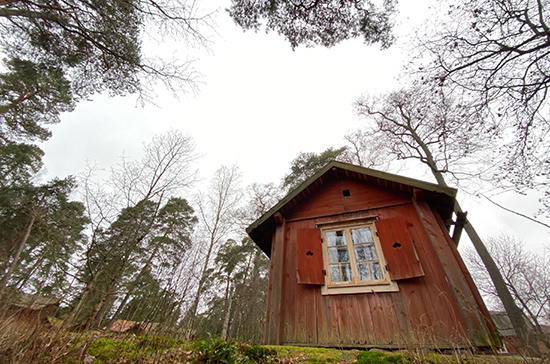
(495, 55)
(319, 22)
(428, 125)
(307, 164)
(527, 276)
(98, 44)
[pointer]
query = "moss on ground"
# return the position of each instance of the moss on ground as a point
(96, 347)
(315, 355)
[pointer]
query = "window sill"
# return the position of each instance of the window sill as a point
(354, 289)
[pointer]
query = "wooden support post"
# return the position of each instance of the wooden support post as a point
(521, 328)
(459, 225)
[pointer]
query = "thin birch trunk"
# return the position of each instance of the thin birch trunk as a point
(17, 255)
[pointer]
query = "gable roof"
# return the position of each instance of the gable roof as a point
(442, 197)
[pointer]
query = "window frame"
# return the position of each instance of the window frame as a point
(355, 286)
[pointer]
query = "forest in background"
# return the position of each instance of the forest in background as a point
(140, 243)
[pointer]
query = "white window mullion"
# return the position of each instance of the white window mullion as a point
(351, 252)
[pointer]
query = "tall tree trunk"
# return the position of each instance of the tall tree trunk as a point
(225, 327)
(512, 310)
(34, 268)
(15, 260)
(234, 320)
(91, 320)
(202, 281)
(514, 313)
(132, 287)
(70, 320)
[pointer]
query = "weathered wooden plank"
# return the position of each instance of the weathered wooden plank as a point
(402, 319)
(273, 320)
(308, 294)
(330, 199)
(350, 313)
(322, 316)
(357, 322)
(462, 294)
(469, 280)
(399, 251)
(300, 321)
(334, 320)
(365, 315)
(445, 309)
(309, 257)
(378, 319)
(343, 312)
(419, 310)
(299, 324)
(290, 306)
(391, 322)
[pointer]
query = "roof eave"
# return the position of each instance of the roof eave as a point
(265, 218)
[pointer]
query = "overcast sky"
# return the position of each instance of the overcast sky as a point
(261, 104)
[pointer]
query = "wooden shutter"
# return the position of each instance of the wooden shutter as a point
(310, 257)
(398, 248)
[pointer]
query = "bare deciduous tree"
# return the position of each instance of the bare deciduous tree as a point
(429, 126)
(497, 49)
(527, 276)
(261, 197)
(216, 210)
(126, 220)
(426, 125)
(367, 150)
(495, 54)
(99, 45)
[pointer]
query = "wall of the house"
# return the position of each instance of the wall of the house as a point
(441, 309)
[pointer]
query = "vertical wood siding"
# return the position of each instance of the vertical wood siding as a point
(399, 250)
(309, 257)
(437, 308)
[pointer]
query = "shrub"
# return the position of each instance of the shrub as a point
(214, 350)
(258, 354)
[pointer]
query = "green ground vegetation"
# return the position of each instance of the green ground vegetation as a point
(56, 346)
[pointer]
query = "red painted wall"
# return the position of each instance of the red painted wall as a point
(437, 309)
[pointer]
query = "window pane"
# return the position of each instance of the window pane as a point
(333, 255)
(361, 252)
(364, 257)
(335, 273)
(365, 252)
(362, 235)
(343, 255)
(363, 272)
(375, 269)
(371, 252)
(338, 255)
(335, 238)
(346, 272)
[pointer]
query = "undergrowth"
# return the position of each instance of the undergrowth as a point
(131, 348)
(215, 350)
(368, 357)
(55, 346)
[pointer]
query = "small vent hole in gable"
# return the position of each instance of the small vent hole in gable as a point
(346, 193)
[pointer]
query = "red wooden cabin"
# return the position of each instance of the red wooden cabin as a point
(362, 258)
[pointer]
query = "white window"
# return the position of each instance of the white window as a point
(353, 259)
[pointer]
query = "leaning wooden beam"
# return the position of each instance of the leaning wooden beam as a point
(459, 225)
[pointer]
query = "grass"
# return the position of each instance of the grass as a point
(61, 347)
(314, 355)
